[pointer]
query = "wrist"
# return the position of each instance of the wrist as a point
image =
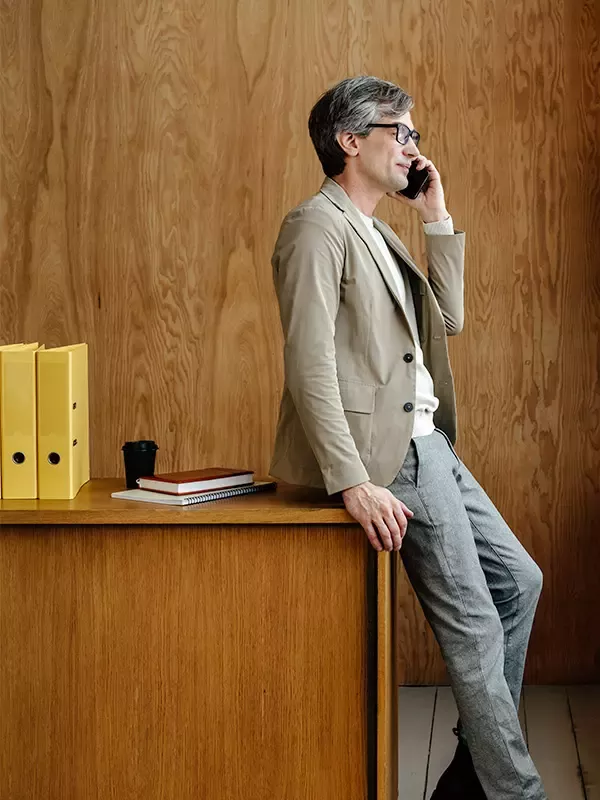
(352, 489)
(434, 216)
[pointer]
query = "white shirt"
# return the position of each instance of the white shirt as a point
(425, 400)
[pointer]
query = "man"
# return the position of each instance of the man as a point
(368, 410)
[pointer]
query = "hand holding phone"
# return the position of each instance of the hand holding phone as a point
(424, 191)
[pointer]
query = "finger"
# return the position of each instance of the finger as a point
(416, 203)
(395, 529)
(401, 521)
(403, 508)
(384, 534)
(401, 198)
(433, 173)
(372, 536)
(426, 163)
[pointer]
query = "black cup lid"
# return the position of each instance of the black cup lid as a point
(142, 444)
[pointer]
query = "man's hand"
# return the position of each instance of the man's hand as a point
(430, 203)
(383, 516)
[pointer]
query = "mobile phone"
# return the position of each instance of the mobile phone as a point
(417, 181)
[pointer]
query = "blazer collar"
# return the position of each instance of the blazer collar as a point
(337, 195)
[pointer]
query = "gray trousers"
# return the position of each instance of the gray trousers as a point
(479, 590)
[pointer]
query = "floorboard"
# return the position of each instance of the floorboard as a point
(443, 741)
(416, 704)
(551, 741)
(585, 713)
(561, 725)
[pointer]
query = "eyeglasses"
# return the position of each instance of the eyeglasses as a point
(403, 132)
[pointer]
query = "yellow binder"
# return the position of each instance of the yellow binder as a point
(63, 421)
(18, 422)
(4, 347)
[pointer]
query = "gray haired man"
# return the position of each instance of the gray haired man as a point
(368, 410)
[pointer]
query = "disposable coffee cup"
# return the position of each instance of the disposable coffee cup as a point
(139, 460)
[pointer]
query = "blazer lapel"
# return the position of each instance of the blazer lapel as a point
(396, 245)
(338, 196)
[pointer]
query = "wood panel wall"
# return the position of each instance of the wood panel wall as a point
(148, 152)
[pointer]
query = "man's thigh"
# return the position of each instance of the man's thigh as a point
(439, 551)
(460, 555)
(509, 569)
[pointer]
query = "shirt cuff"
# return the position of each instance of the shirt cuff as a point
(444, 227)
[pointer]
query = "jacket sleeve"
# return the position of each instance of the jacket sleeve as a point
(308, 264)
(446, 261)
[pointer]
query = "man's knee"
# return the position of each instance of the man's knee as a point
(531, 580)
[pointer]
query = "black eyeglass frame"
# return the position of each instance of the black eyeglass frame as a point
(411, 133)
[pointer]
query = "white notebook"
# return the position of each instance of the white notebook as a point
(146, 496)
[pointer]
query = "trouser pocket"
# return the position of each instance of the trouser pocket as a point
(449, 443)
(410, 469)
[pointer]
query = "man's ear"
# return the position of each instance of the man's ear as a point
(348, 142)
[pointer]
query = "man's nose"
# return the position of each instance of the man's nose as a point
(410, 149)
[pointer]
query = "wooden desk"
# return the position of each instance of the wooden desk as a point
(238, 650)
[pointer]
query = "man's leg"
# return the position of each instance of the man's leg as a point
(512, 576)
(441, 558)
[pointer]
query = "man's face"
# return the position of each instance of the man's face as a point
(382, 162)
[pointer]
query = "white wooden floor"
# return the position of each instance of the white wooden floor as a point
(561, 726)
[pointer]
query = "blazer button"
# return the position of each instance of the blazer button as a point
(408, 407)
(408, 358)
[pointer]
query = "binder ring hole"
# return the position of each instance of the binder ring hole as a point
(54, 459)
(18, 458)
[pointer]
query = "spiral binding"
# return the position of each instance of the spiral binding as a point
(224, 493)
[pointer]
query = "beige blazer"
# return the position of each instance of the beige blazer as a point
(347, 409)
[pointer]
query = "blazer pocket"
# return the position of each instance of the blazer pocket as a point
(358, 402)
(357, 397)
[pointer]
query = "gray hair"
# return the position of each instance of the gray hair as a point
(350, 106)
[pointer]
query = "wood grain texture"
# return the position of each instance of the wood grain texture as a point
(148, 153)
(167, 663)
(288, 505)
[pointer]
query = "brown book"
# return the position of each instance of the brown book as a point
(197, 480)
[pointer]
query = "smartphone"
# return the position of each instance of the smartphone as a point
(417, 181)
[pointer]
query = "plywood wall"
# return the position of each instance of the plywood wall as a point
(148, 151)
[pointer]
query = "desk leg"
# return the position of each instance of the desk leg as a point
(382, 691)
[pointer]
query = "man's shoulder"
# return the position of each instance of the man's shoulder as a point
(314, 224)
(317, 209)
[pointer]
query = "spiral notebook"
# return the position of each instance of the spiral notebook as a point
(146, 496)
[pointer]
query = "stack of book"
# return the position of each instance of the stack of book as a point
(194, 486)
